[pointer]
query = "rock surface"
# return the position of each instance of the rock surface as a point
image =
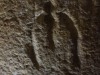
(49, 37)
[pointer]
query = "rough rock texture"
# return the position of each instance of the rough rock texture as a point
(49, 37)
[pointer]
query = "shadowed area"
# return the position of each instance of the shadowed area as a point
(65, 20)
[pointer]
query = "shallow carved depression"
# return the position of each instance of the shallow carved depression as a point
(49, 21)
(70, 34)
(69, 25)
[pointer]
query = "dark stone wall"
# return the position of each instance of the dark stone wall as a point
(49, 37)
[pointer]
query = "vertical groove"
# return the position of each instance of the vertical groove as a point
(30, 52)
(74, 37)
(49, 21)
(29, 46)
